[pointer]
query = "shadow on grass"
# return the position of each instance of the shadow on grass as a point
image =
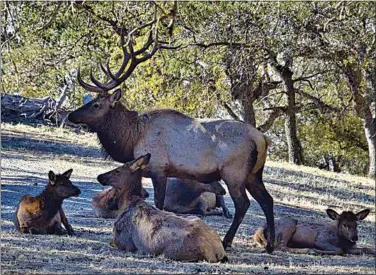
(43, 146)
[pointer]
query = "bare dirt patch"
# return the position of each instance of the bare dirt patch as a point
(28, 153)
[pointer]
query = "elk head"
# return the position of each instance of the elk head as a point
(61, 186)
(348, 223)
(127, 176)
(96, 109)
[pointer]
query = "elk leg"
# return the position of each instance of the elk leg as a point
(241, 203)
(202, 209)
(297, 250)
(257, 189)
(360, 251)
(326, 248)
(221, 203)
(56, 229)
(159, 184)
(64, 220)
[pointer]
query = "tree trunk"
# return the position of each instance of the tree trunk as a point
(363, 108)
(249, 112)
(370, 131)
(295, 150)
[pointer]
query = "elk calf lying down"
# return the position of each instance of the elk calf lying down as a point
(336, 238)
(44, 214)
(182, 197)
(106, 202)
(146, 229)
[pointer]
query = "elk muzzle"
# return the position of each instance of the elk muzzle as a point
(102, 179)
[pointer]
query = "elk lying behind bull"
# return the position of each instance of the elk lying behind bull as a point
(106, 203)
(44, 214)
(182, 197)
(146, 229)
(182, 147)
(336, 238)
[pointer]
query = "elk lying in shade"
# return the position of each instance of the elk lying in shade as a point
(44, 214)
(182, 147)
(106, 202)
(193, 197)
(146, 229)
(336, 238)
(182, 197)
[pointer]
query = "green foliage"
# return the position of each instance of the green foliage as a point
(50, 40)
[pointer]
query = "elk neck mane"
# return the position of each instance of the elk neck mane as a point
(118, 133)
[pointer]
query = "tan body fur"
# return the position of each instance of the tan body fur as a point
(333, 238)
(146, 229)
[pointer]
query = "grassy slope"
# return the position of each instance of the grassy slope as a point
(28, 154)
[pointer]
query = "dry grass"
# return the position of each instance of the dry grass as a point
(28, 153)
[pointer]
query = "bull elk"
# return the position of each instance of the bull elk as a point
(182, 147)
(336, 238)
(146, 229)
(44, 214)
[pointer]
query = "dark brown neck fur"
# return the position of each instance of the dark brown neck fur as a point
(118, 133)
(50, 203)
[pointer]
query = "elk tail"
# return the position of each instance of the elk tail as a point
(268, 141)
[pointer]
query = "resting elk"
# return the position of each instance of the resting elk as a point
(182, 197)
(182, 147)
(336, 238)
(106, 203)
(44, 214)
(146, 229)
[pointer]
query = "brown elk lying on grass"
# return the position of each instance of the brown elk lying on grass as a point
(182, 197)
(336, 238)
(146, 229)
(106, 202)
(44, 214)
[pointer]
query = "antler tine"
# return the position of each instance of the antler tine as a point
(87, 86)
(153, 51)
(146, 46)
(104, 69)
(109, 70)
(129, 54)
(95, 81)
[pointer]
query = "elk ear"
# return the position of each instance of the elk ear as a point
(362, 214)
(68, 173)
(140, 163)
(332, 214)
(52, 177)
(115, 97)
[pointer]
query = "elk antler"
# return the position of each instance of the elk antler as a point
(134, 58)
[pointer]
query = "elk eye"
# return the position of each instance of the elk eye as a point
(96, 105)
(117, 171)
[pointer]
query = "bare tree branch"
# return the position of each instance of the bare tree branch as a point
(269, 122)
(318, 102)
(230, 111)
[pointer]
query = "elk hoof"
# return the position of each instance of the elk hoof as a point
(226, 244)
(269, 248)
